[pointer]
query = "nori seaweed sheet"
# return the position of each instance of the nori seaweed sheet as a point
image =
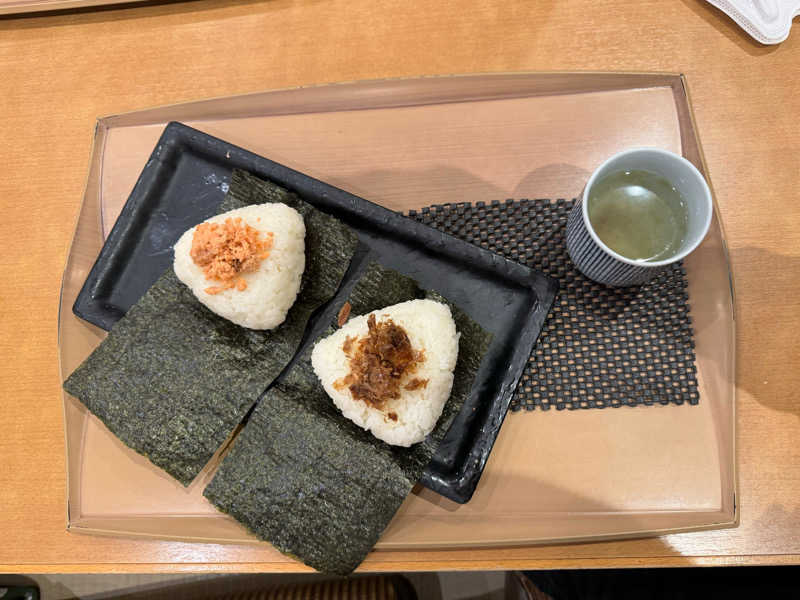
(172, 379)
(318, 487)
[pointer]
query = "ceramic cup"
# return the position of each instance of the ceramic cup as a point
(599, 262)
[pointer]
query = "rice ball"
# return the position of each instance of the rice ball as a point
(245, 265)
(422, 389)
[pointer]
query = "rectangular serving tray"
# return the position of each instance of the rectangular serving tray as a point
(183, 183)
(405, 144)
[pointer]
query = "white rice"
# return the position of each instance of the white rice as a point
(430, 328)
(272, 288)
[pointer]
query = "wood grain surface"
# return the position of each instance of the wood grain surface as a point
(59, 72)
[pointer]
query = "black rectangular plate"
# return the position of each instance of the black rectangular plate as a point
(186, 178)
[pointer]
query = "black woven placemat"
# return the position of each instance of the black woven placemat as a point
(600, 346)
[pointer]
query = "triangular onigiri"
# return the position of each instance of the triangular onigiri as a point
(391, 371)
(258, 298)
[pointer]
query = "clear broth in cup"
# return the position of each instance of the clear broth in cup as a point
(638, 214)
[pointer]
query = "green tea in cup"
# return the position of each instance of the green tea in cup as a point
(638, 214)
(641, 210)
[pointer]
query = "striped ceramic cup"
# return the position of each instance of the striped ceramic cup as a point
(599, 262)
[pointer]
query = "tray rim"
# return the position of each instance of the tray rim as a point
(673, 80)
(80, 528)
(24, 7)
(660, 79)
(731, 291)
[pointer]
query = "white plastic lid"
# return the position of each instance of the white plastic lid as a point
(768, 21)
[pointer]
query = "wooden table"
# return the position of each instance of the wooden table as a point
(59, 72)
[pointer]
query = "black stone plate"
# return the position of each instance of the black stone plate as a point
(186, 178)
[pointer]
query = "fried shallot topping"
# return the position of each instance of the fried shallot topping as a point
(225, 251)
(344, 314)
(378, 363)
(416, 384)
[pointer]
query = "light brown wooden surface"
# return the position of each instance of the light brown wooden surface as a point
(60, 72)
